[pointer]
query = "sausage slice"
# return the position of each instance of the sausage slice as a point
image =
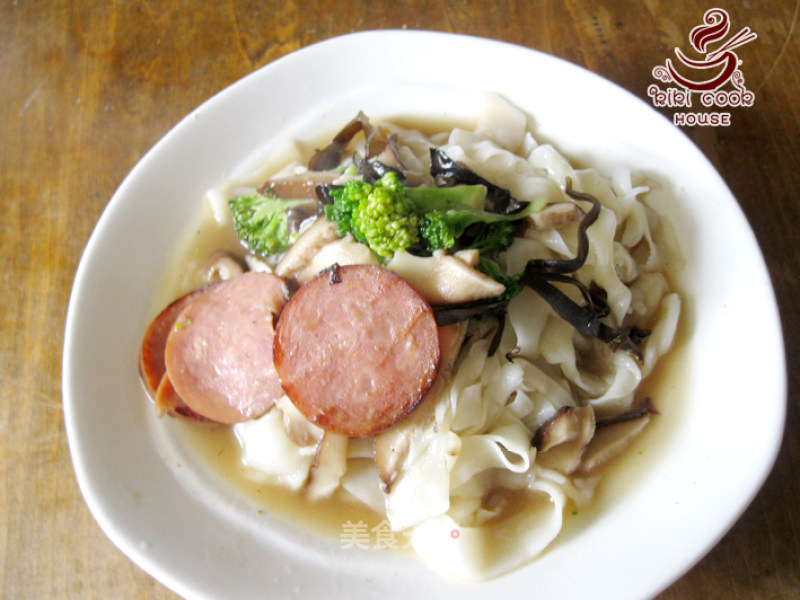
(151, 358)
(356, 349)
(219, 353)
(167, 401)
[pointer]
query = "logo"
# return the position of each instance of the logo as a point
(707, 76)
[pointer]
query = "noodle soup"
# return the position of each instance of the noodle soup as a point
(511, 449)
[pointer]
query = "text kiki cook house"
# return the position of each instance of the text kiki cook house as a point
(711, 92)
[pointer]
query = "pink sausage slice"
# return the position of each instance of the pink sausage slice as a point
(356, 349)
(151, 358)
(219, 353)
(167, 401)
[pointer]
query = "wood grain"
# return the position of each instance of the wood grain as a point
(88, 87)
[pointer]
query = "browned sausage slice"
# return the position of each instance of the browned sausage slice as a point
(219, 353)
(151, 358)
(356, 349)
(167, 401)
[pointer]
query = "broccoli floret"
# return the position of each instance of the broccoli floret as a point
(345, 201)
(436, 232)
(262, 222)
(441, 228)
(388, 217)
(379, 215)
(493, 236)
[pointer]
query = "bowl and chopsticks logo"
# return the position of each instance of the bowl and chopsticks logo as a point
(720, 59)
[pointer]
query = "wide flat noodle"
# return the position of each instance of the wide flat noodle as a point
(422, 491)
(270, 455)
(524, 180)
(495, 548)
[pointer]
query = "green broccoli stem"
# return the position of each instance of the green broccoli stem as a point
(426, 199)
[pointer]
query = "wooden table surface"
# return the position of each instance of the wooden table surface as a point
(89, 86)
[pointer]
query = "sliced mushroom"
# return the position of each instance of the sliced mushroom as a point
(223, 265)
(300, 430)
(330, 464)
(393, 445)
(256, 264)
(378, 146)
(469, 257)
(299, 186)
(444, 278)
(562, 440)
(330, 156)
(555, 215)
(389, 155)
(382, 157)
(344, 251)
(297, 217)
(321, 232)
(615, 434)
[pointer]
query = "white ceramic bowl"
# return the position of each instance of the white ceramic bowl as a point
(202, 540)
